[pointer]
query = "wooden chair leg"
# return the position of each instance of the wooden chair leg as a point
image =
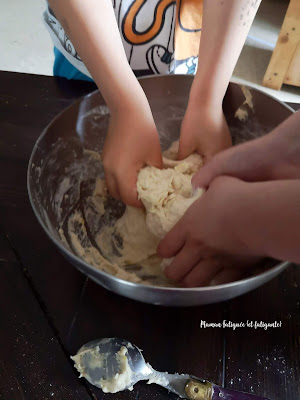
(293, 75)
(285, 49)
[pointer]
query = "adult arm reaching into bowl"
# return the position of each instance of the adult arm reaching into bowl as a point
(132, 140)
(251, 209)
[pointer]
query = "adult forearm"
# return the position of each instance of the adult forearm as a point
(267, 218)
(286, 139)
(225, 27)
(274, 156)
(92, 27)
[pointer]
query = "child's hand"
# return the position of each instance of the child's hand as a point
(205, 240)
(131, 143)
(204, 130)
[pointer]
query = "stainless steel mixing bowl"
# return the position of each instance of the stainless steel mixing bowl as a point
(83, 125)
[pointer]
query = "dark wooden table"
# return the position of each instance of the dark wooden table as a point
(48, 309)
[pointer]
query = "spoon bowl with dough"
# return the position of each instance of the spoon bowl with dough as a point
(114, 365)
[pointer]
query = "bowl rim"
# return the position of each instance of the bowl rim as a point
(276, 269)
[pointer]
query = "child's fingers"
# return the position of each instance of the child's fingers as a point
(186, 148)
(112, 185)
(128, 191)
(156, 159)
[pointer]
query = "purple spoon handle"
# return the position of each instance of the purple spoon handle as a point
(203, 390)
(220, 393)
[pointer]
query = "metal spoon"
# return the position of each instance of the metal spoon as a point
(99, 362)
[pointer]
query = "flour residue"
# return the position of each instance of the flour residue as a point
(126, 246)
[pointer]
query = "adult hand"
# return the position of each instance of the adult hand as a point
(205, 243)
(272, 157)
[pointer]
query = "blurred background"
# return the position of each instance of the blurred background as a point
(25, 44)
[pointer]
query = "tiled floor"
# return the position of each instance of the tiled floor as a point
(25, 45)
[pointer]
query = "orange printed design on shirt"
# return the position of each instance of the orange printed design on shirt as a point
(130, 33)
(159, 36)
(188, 28)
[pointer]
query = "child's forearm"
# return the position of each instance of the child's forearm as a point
(225, 27)
(92, 27)
(267, 218)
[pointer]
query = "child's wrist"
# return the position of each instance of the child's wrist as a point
(206, 92)
(205, 98)
(128, 101)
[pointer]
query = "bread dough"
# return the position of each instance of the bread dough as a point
(167, 193)
(129, 241)
(242, 112)
(127, 249)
